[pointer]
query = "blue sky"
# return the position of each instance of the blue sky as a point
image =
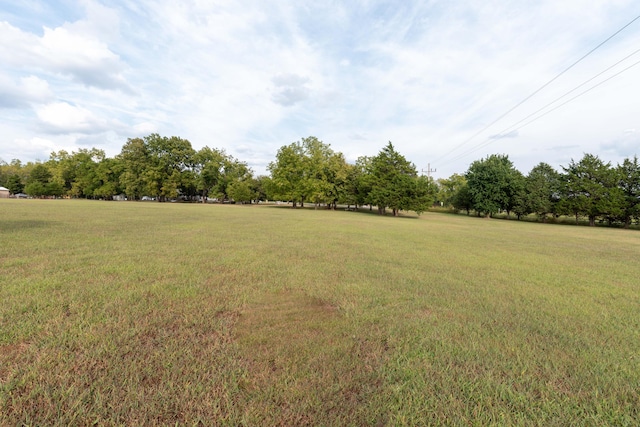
(250, 76)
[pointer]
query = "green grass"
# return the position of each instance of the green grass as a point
(120, 313)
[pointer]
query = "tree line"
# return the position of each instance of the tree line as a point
(587, 188)
(168, 168)
(310, 171)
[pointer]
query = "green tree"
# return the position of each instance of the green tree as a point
(168, 159)
(395, 183)
(423, 194)
(363, 181)
(308, 170)
(107, 175)
(542, 188)
(493, 184)
(629, 184)
(591, 189)
(517, 200)
(288, 174)
(40, 184)
(13, 176)
(259, 186)
(350, 188)
(134, 159)
(4, 173)
(449, 187)
(14, 184)
(462, 200)
(325, 172)
(76, 172)
(209, 165)
(240, 191)
(233, 171)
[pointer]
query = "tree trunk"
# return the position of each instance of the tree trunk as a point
(592, 221)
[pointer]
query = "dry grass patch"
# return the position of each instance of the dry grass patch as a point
(302, 364)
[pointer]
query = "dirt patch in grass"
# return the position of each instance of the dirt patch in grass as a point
(304, 365)
(9, 354)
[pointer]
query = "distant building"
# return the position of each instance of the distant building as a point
(4, 193)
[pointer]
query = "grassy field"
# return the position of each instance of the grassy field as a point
(121, 313)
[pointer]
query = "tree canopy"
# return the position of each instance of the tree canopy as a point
(310, 171)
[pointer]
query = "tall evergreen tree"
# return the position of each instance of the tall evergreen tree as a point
(629, 183)
(591, 189)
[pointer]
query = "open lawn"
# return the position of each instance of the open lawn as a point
(145, 313)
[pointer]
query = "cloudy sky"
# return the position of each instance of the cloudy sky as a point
(437, 78)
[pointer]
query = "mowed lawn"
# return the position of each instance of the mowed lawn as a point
(129, 313)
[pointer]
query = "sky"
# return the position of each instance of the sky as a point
(439, 79)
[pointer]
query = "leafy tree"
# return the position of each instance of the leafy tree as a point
(518, 201)
(422, 195)
(363, 181)
(629, 183)
(233, 171)
(13, 175)
(209, 164)
(308, 170)
(542, 187)
(259, 186)
(168, 158)
(325, 172)
(14, 184)
(350, 187)
(462, 200)
(240, 191)
(107, 176)
(35, 189)
(3, 173)
(62, 171)
(134, 159)
(449, 187)
(493, 184)
(591, 189)
(76, 172)
(395, 184)
(287, 174)
(156, 165)
(40, 184)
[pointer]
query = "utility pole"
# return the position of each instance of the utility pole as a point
(428, 171)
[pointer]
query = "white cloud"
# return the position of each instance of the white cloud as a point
(27, 91)
(61, 117)
(290, 89)
(61, 51)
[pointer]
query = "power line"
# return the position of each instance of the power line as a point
(502, 134)
(539, 89)
(571, 91)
